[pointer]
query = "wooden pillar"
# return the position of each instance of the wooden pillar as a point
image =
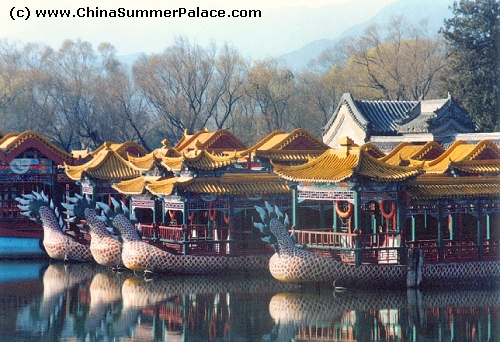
(294, 205)
(413, 228)
(154, 211)
(230, 240)
(335, 223)
(479, 231)
(356, 225)
(401, 228)
(451, 226)
(322, 214)
(488, 226)
(163, 212)
(185, 230)
(374, 229)
(440, 241)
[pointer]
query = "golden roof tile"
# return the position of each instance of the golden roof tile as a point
(483, 167)
(198, 159)
(288, 141)
(406, 151)
(373, 150)
(121, 148)
(377, 170)
(219, 140)
(12, 140)
(236, 184)
(435, 188)
(106, 165)
(329, 167)
(143, 163)
(134, 186)
(461, 151)
(336, 165)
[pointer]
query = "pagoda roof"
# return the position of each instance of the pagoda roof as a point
(337, 165)
(406, 151)
(373, 150)
(483, 167)
(235, 184)
(199, 160)
(146, 162)
(297, 146)
(106, 165)
(436, 188)
(220, 140)
(123, 149)
(460, 151)
(13, 144)
(134, 186)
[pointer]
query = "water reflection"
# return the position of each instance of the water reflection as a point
(386, 316)
(85, 302)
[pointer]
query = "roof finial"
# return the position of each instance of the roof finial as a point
(165, 143)
(346, 144)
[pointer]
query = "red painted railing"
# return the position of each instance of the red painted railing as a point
(199, 239)
(385, 247)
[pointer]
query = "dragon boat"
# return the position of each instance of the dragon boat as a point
(291, 263)
(57, 243)
(139, 255)
(128, 249)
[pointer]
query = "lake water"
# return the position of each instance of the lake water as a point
(85, 302)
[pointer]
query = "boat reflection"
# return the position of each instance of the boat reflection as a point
(85, 302)
(386, 316)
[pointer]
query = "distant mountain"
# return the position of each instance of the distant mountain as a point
(433, 12)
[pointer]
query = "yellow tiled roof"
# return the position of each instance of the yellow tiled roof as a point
(134, 186)
(143, 163)
(329, 167)
(406, 151)
(206, 140)
(80, 153)
(198, 159)
(106, 165)
(279, 141)
(459, 151)
(12, 140)
(236, 184)
(483, 167)
(377, 170)
(433, 188)
(120, 148)
(334, 166)
(290, 156)
(373, 150)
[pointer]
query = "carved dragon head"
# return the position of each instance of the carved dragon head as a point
(30, 204)
(273, 225)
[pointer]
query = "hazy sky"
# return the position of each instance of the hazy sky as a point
(283, 27)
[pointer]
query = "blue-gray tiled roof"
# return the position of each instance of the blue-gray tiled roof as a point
(382, 115)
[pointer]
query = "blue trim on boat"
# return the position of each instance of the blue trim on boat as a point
(17, 247)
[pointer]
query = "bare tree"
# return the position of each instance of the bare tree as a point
(400, 65)
(178, 83)
(271, 89)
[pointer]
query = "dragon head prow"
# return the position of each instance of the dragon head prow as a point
(118, 208)
(30, 205)
(267, 216)
(75, 208)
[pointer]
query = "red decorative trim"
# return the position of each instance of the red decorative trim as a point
(227, 219)
(172, 214)
(389, 215)
(212, 212)
(344, 214)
